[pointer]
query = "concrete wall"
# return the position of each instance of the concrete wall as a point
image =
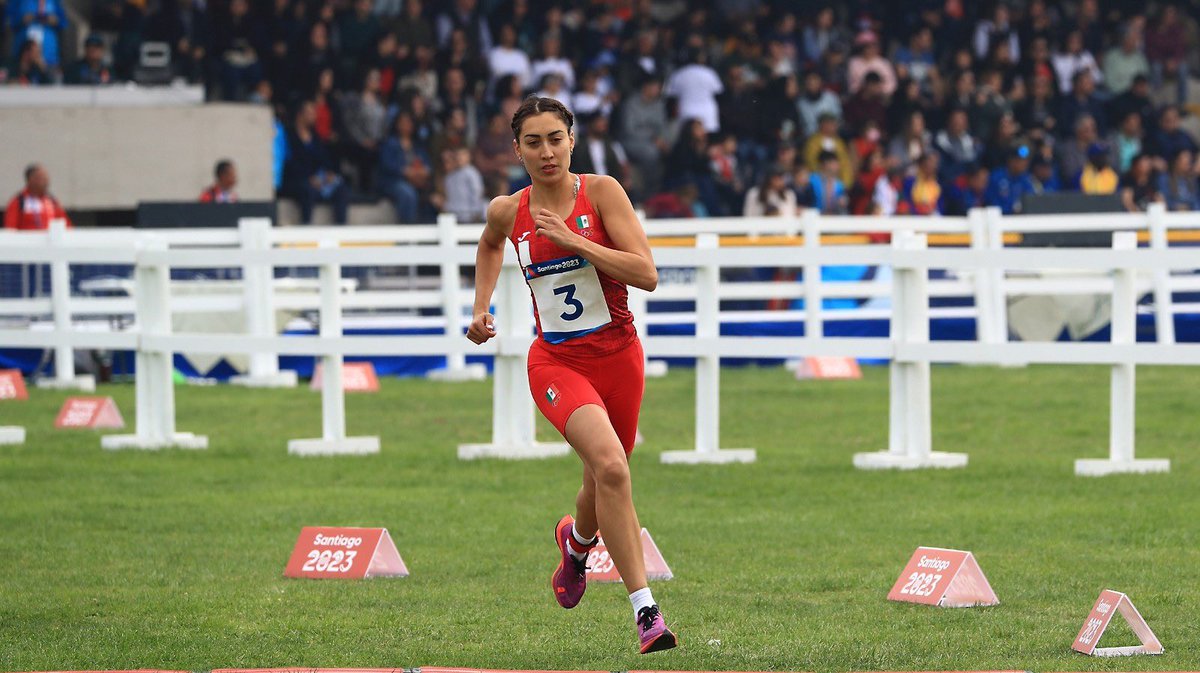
(111, 158)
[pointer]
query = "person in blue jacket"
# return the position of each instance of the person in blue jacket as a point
(1009, 184)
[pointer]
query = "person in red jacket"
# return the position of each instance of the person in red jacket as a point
(33, 207)
(221, 191)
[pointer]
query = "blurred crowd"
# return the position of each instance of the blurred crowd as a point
(700, 108)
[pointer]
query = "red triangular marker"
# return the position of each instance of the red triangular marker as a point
(601, 568)
(357, 377)
(947, 578)
(1109, 603)
(89, 412)
(12, 385)
(324, 552)
(828, 367)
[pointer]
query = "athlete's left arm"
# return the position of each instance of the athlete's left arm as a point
(630, 261)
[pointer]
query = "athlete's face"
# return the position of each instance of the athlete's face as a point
(545, 147)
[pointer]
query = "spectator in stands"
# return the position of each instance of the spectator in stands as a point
(916, 60)
(815, 101)
(870, 59)
(552, 61)
(696, 86)
(463, 14)
(33, 207)
(689, 163)
(1045, 178)
(221, 191)
(596, 152)
(91, 69)
(957, 147)
(1009, 184)
(1178, 184)
(1082, 100)
(968, 191)
(30, 69)
(996, 31)
(357, 32)
(494, 155)
(1139, 186)
(921, 193)
(552, 86)
(1170, 138)
(825, 190)
(506, 58)
(365, 122)
(404, 169)
(309, 175)
(1167, 50)
(869, 104)
(1072, 154)
(1127, 142)
(643, 134)
(826, 139)
(1124, 62)
(39, 22)
(234, 41)
(821, 35)
(727, 172)
(461, 188)
(1072, 60)
(1097, 176)
(412, 29)
(912, 144)
(770, 197)
(1136, 99)
(1039, 110)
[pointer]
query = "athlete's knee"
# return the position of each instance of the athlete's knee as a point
(612, 473)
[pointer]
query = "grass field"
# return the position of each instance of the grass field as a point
(174, 559)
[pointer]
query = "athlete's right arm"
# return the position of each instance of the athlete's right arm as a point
(489, 257)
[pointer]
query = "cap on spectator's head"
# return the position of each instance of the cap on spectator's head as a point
(865, 37)
(1019, 151)
(1097, 150)
(872, 77)
(826, 117)
(826, 155)
(93, 40)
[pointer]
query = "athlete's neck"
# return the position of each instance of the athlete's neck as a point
(555, 192)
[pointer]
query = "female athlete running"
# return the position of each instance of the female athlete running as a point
(579, 244)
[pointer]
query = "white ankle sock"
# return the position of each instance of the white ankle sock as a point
(577, 541)
(642, 598)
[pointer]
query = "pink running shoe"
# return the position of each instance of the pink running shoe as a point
(653, 632)
(570, 577)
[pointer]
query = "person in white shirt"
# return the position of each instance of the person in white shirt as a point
(553, 61)
(1071, 60)
(772, 197)
(506, 59)
(696, 86)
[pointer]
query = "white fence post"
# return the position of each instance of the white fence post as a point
(1122, 419)
(985, 312)
(1164, 306)
(333, 440)
(910, 416)
(153, 379)
(60, 298)
(994, 231)
(708, 369)
(456, 368)
(513, 428)
(259, 309)
(814, 321)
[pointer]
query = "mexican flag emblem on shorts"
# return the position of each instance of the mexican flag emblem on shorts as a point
(582, 222)
(552, 395)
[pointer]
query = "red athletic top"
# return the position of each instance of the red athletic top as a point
(576, 305)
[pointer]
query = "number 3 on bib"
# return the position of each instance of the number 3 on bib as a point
(569, 298)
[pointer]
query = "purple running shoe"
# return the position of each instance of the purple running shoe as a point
(570, 577)
(653, 632)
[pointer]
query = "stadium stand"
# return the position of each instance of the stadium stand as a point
(393, 88)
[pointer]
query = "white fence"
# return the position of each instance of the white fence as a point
(985, 274)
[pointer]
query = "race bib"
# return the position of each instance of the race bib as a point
(569, 298)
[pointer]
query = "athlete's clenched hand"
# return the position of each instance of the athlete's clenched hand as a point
(482, 328)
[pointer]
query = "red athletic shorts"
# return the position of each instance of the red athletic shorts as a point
(563, 382)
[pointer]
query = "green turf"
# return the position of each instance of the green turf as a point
(174, 559)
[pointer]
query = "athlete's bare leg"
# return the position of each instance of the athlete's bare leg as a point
(591, 433)
(585, 506)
